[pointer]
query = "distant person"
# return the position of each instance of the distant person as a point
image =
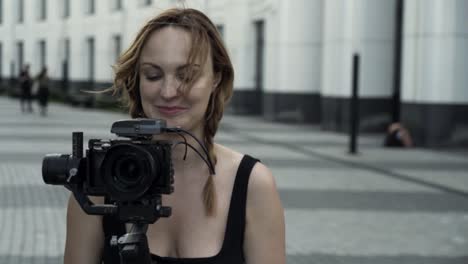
(398, 136)
(43, 90)
(25, 83)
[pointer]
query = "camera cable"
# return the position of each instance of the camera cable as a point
(207, 160)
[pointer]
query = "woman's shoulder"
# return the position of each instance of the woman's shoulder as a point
(262, 182)
(261, 178)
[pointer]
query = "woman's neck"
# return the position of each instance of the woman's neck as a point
(184, 153)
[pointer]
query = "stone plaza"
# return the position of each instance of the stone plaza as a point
(386, 206)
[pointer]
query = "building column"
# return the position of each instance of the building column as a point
(293, 62)
(435, 94)
(238, 33)
(365, 27)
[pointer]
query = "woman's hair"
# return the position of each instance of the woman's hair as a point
(205, 39)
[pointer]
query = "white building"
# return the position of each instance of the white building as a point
(293, 58)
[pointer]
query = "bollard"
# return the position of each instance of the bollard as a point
(354, 107)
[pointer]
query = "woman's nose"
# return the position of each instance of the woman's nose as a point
(170, 89)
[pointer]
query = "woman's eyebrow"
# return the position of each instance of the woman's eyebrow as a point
(185, 66)
(150, 64)
(181, 67)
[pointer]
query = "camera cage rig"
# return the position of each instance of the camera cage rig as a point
(133, 246)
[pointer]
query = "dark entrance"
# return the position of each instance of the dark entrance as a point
(259, 58)
(19, 50)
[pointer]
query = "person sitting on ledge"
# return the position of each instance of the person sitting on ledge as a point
(398, 136)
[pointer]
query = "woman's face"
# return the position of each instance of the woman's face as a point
(163, 68)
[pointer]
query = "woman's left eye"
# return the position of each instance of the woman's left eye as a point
(182, 76)
(186, 76)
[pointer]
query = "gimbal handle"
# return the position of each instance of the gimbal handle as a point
(88, 206)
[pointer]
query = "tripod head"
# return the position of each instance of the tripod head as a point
(133, 246)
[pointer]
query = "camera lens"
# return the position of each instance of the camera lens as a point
(55, 168)
(128, 171)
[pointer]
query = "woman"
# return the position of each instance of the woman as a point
(178, 69)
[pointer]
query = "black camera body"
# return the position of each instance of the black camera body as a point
(133, 170)
(128, 170)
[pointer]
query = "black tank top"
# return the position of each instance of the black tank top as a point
(232, 249)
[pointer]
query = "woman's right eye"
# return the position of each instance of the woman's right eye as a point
(153, 77)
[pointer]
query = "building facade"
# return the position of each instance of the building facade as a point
(293, 59)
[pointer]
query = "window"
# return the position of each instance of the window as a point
(145, 2)
(66, 8)
(91, 7)
(12, 70)
(43, 10)
(220, 29)
(117, 46)
(259, 26)
(20, 10)
(1, 11)
(42, 53)
(66, 60)
(1, 61)
(19, 54)
(177, 2)
(66, 50)
(117, 5)
(90, 47)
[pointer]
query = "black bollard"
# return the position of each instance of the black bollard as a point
(354, 107)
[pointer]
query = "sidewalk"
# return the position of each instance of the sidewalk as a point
(381, 206)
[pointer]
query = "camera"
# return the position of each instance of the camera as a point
(132, 172)
(134, 169)
(124, 170)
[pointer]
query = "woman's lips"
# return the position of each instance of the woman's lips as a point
(171, 110)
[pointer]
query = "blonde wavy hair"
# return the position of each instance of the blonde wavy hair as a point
(205, 39)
